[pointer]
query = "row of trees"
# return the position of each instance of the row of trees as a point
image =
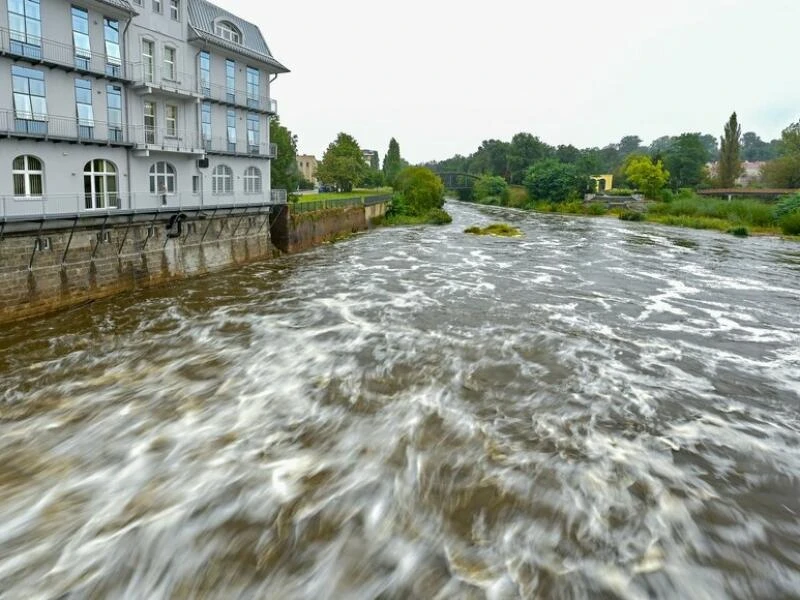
(343, 165)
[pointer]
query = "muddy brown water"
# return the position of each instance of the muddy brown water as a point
(595, 410)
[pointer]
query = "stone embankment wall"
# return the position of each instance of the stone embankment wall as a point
(43, 271)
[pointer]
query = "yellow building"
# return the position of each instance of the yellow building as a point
(603, 183)
(307, 164)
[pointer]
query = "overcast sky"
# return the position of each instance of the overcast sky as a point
(441, 76)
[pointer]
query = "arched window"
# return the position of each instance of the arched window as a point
(222, 180)
(252, 180)
(162, 178)
(28, 176)
(228, 31)
(100, 184)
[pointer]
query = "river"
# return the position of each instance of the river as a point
(597, 409)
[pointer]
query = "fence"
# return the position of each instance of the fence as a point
(331, 203)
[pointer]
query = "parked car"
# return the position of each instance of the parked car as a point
(323, 188)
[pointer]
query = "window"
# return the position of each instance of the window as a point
(148, 60)
(83, 105)
(169, 63)
(171, 116)
(162, 178)
(252, 180)
(253, 85)
(253, 132)
(26, 171)
(80, 37)
(100, 184)
(25, 25)
(113, 56)
(114, 101)
(175, 10)
(205, 124)
(230, 80)
(222, 180)
(149, 123)
(157, 6)
(195, 184)
(205, 73)
(30, 103)
(228, 31)
(231, 126)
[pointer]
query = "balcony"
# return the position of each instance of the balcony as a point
(63, 129)
(164, 139)
(220, 145)
(164, 81)
(57, 54)
(240, 98)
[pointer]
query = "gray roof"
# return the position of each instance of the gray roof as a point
(202, 15)
(121, 4)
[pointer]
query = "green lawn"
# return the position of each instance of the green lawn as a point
(356, 193)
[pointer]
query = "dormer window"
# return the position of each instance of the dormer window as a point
(228, 31)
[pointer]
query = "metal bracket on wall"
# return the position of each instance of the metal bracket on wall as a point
(219, 233)
(210, 221)
(100, 238)
(69, 241)
(125, 236)
(239, 222)
(35, 245)
(265, 220)
(149, 229)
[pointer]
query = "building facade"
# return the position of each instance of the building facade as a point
(307, 165)
(111, 105)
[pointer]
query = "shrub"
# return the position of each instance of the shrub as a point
(787, 205)
(518, 197)
(631, 215)
(439, 216)
(596, 208)
(491, 186)
(501, 229)
(739, 231)
(421, 190)
(554, 181)
(790, 224)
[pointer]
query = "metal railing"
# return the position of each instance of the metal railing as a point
(220, 144)
(63, 128)
(166, 78)
(54, 205)
(239, 97)
(166, 138)
(66, 55)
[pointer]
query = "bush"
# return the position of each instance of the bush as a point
(553, 181)
(518, 197)
(491, 186)
(439, 216)
(596, 208)
(739, 231)
(631, 215)
(790, 224)
(419, 190)
(500, 229)
(787, 205)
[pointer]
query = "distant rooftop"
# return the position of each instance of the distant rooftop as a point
(121, 4)
(203, 16)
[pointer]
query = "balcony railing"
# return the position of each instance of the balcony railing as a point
(221, 93)
(164, 78)
(65, 55)
(223, 146)
(63, 128)
(165, 138)
(53, 205)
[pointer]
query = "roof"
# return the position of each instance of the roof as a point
(203, 14)
(120, 4)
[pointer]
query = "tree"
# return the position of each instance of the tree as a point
(284, 173)
(554, 181)
(730, 165)
(392, 162)
(418, 191)
(783, 172)
(710, 144)
(342, 164)
(660, 146)
(647, 175)
(568, 154)
(630, 144)
(686, 160)
(790, 140)
(525, 150)
(490, 159)
(491, 186)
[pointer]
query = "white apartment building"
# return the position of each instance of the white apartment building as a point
(112, 105)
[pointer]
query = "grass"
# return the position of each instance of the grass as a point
(356, 193)
(435, 217)
(498, 229)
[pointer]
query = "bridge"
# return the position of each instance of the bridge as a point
(458, 181)
(749, 192)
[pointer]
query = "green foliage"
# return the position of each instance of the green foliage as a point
(648, 176)
(491, 186)
(692, 222)
(492, 158)
(787, 205)
(498, 229)
(439, 216)
(342, 164)
(783, 172)
(419, 190)
(553, 181)
(518, 197)
(596, 209)
(790, 140)
(524, 151)
(393, 163)
(631, 215)
(373, 178)
(730, 165)
(686, 160)
(755, 149)
(790, 224)
(284, 173)
(737, 212)
(739, 231)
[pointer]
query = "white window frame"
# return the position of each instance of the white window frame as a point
(27, 175)
(228, 31)
(252, 180)
(170, 63)
(175, 10)
(100, 199)
(158, 6)
(163, 179)
(171, 121)
(148, 60)
(222, 181)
